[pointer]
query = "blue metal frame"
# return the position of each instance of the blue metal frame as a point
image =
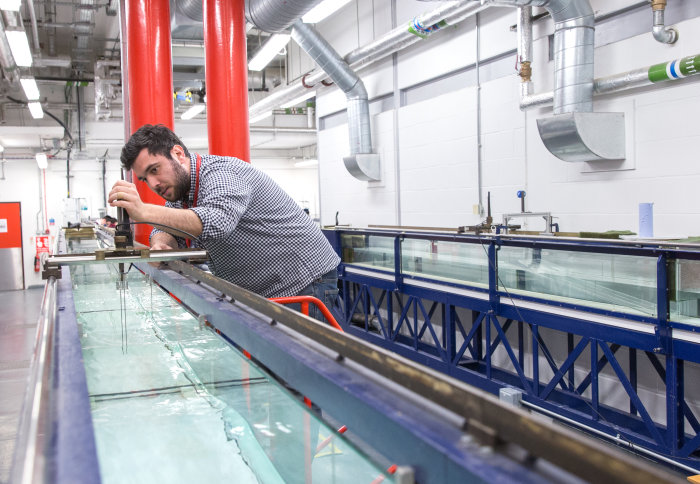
(496, 314)
(72, 452)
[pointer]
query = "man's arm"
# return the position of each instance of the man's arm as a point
(162, 240)
(124, 194)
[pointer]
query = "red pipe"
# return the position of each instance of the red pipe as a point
(150, 79)
(304, 301)
(226, 78)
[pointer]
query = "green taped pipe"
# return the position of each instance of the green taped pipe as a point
(677, 69)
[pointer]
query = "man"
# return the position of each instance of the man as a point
(257, 237)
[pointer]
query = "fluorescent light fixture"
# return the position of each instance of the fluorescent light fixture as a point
(193, 111)
(31, 90)
(268, 51)
(10, 5)
(260, 117)
(323, 10)
(36, 110)
(309, 162)
(42, 161)
(307, 95)
(2, 148)
(19, 45)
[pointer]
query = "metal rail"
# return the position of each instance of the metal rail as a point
(144, 255)
(480, 412)
(29, 464)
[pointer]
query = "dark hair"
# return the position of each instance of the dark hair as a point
(109, 218)
(158, 139)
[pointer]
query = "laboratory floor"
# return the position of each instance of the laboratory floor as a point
(19, 311)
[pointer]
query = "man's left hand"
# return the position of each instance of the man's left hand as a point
(125, 195)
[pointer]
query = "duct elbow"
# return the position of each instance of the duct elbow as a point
(364, 166)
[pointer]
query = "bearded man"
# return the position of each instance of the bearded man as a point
(256, 235)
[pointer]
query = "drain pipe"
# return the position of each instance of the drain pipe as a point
(665, 35)
(362, 163)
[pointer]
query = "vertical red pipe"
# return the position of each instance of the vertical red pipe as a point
(150, 78)
(227, 78)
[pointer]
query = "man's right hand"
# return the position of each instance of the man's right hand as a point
(162, 241)
(160, 246)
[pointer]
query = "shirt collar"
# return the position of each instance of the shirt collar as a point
(193, 178)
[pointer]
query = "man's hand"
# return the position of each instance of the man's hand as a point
(162, 241)
(125, 195)
(160, 246)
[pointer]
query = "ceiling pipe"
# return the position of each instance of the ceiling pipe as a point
(665, 35)
(382, 47)
(35, 30)
(7, 61)
(192, 9)
(362, 163)
(277, 15)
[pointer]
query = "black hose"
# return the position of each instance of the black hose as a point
(49, 114)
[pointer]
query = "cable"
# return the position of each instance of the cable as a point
(155, 224)
(50, 115)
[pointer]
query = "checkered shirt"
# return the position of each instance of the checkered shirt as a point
(257, 237)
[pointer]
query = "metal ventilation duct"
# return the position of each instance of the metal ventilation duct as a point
(362, 163)
(574, 34)
(276, 15)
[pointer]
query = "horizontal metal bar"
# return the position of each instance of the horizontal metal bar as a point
(151, 256)
(572, 451)
(631, 247)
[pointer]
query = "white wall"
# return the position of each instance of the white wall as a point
(437, 145)
(23, 182)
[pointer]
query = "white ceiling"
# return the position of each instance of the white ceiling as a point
(78, 36)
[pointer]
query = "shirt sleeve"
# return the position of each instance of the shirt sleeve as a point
(223, 198)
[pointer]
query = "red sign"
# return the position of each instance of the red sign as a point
(42, 244)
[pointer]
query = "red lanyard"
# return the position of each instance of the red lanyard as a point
(196, 191)
(196, 184)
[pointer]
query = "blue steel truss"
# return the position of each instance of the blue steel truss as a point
(490, 338)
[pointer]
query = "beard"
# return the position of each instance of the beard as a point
(182, 182)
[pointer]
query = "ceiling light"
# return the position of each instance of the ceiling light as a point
(260, 117)
(2, 148)
(35, 109)
(300, 99)
(268, 51)
(308, 162)
(193, 111)
(323, 10)
(31, 90)
(42, 161)
(19, 45)
(10, 5)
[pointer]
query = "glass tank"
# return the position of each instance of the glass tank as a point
(173, 402)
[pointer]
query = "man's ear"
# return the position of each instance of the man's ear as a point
(178, 154)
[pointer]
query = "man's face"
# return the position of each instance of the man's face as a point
(168, 177)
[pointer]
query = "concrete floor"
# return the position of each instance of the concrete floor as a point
(19, 311)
